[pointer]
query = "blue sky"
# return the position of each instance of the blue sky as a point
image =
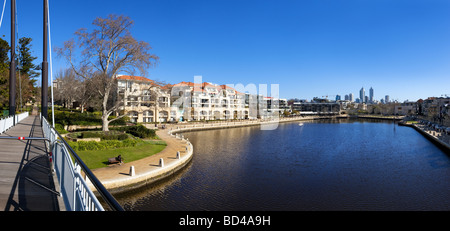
(310, 48)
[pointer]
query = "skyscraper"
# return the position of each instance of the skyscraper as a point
(386, 99)
(362, 95)
(351, 97)
(371, 95)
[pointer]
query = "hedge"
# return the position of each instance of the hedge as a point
(87, 118)
(111, 135)
(102, 145)
(138, 130)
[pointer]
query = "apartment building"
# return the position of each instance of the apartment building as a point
(144, 100)
(435, 109)
(406, 108)
(207, 101)
(272, 107)
(317, 108)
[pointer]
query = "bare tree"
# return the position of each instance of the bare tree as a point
(87, 92)
(106, 51)
(67, 87)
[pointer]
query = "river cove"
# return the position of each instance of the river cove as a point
(347, 164)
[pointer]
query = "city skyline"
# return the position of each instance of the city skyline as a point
(400, 48)
(371, 98)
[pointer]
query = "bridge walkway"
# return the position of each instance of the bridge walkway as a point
(26, 179)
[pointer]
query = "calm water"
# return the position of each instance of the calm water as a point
(328, 165)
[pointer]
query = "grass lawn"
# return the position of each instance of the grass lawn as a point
(99, 158)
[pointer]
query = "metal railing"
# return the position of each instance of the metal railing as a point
(8, 122)
(67, 164)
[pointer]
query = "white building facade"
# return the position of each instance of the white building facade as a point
(206, 101)
(144, 101)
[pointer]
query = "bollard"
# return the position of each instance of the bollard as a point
(132, 172)
(178, 155)
(161, 162)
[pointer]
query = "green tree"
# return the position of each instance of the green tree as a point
(24, 84)
(4, 50)
(25, 59)
(4, 73)
(26, 71)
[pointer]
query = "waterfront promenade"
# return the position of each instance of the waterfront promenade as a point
(119, 178)
(439, 137)
(26, 182)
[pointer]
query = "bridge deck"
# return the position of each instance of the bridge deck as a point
(26, 181)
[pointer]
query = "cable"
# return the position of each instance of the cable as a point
(3, 11)
(50, 56)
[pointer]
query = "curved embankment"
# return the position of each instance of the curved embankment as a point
(132, 175)
(268, 123)
(441, 139)
(177, 154)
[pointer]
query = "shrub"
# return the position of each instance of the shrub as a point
(74, 145)
(122, 137)
(102, 145)
(89, 145)
(111, 135)
(139, 131)
(129, 143)
(114, 144)
(60, 129)
(89, 135)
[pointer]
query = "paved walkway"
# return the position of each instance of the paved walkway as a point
(439, 136)
(117, 178)
(26, 182)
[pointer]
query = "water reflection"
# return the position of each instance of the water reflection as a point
(327, 165)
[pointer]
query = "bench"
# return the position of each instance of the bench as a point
(115, 160)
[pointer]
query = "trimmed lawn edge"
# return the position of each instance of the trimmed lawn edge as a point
(99, 158)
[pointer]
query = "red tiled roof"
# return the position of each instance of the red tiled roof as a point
(227, 87)
(135, 78)
(197, 86)
(230, 88)
(143, 79)
(167, 86)
(203, 85)
(190, 84)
